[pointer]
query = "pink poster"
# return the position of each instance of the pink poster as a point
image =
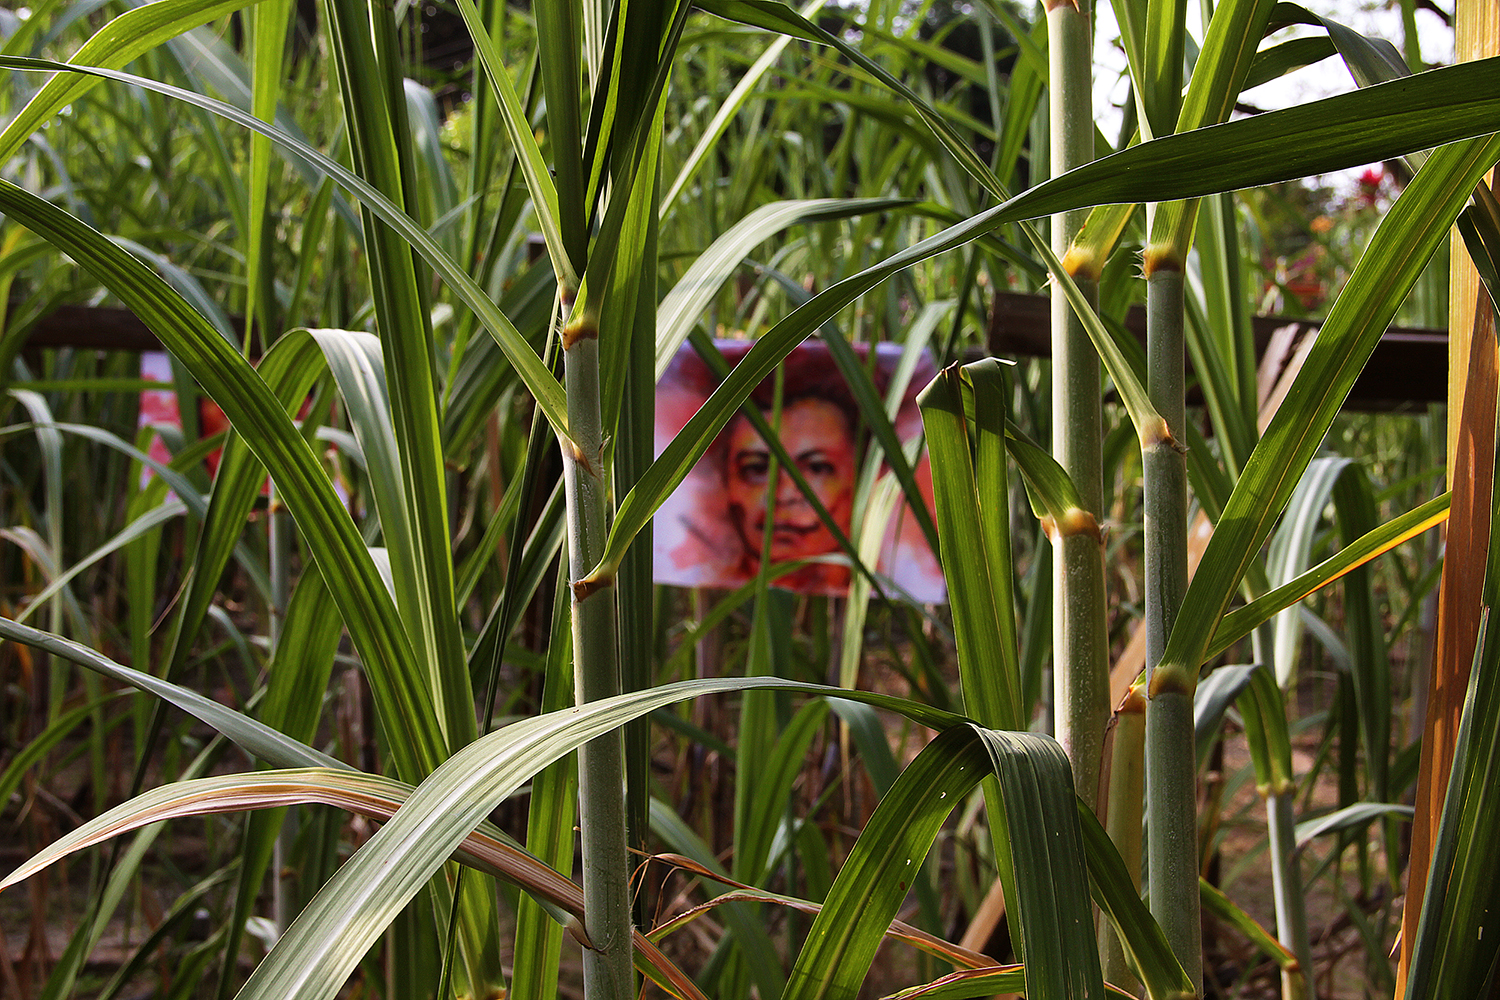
(159, 407)
(710, 532)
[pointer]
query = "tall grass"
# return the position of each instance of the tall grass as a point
(663, 151)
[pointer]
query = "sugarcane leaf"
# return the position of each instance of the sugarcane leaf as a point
(258, 415)
(1229, 50)
(534, 170)
(543, 386)
(301, 665)
(487, 848)
(1263, 707)
(1279, 60)
(738, 914)
(971, 983)
(1242, 621)
(1290, 550)
(258, 739)
(1346, 130)
(1047, 483)
(1357, 512)
(983, 606)
(1355, 817)
(1480, 226)
(1212, 699)
(684, 306)
(1044, 841)
(1398, 251)
(1217, 902)
(1024, 91)
(289, 369)
(315, 956)
(725, 113)
(1159, 77)
(773, 15)
(417, 538)
(899, 930)
(1370, 60)
(550, 817)
(37, 748)
(1482, 254)
(194, 502)
(138, 528)
(1452, 955)
(1220, 348)
(1116, 895)
(114, 45)
(211, 60)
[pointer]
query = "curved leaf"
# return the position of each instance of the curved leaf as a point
(544, 387)
(257, 739)
(486, 848)
(320, 949)
(1242, 621)
(684, 305)
(1399, 249)
(1355, 817)
(1037, 786)
(112, 46)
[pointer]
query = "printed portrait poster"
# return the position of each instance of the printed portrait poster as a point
(710, 532)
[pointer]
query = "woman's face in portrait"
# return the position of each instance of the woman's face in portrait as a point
(817, 435)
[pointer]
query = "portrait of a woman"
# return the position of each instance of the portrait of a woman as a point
(818, 435)
(740, 504)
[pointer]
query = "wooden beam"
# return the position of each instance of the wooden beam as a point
(99, 328)
(1409, 367)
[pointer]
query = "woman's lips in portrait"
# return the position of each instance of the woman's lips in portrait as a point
(789, 539)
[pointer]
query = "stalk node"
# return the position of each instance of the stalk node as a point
(1171, 679)
(1155, 433)
(1074, 521)
(1082, 263)
(579, 457)
(585, 327)
(1160, 257)
(590, 585)
(579, 933)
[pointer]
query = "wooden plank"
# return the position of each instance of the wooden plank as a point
(1408, 369)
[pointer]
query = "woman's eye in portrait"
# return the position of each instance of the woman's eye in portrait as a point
(817, 464)
(752, 467)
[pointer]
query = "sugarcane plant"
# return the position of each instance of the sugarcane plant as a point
(586, 162)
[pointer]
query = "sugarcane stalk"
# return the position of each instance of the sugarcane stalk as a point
(1080, 643)
(601, 762)
(1171, 774)
(1286, 888)
(1124, 802)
